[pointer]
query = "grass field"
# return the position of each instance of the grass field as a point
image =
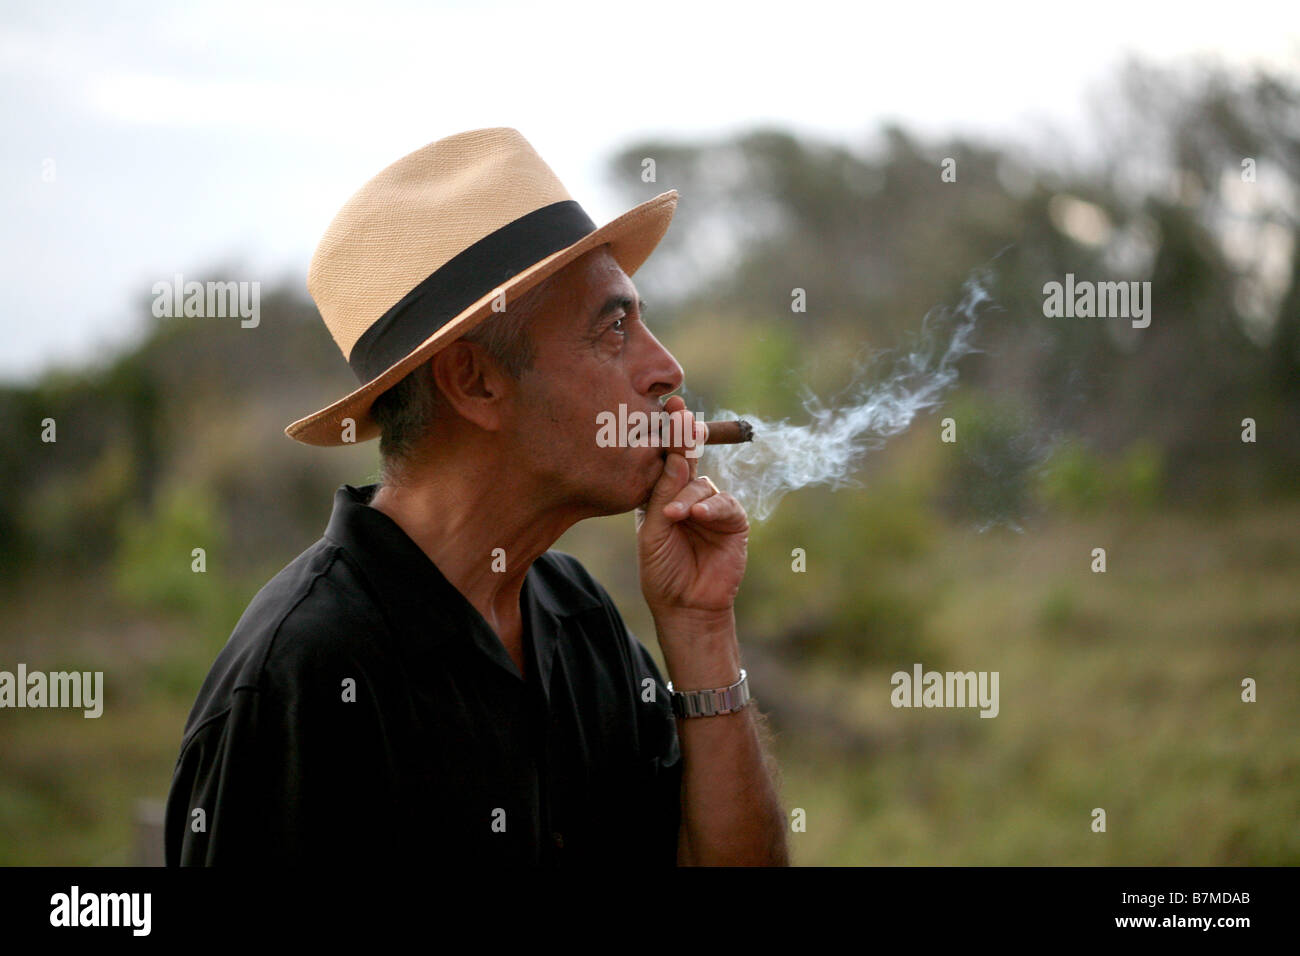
(1119, 690)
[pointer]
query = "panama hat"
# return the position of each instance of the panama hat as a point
(425, 250)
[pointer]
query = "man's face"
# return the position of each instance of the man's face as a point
(593, 352)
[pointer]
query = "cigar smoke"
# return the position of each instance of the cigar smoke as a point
(783, 457)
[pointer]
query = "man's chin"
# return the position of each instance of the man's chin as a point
(637, 500)
(655, 470)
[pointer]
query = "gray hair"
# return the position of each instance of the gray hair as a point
(407, 412)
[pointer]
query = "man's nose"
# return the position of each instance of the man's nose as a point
(661, 373)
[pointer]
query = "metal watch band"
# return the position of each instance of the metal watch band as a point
(711, 703)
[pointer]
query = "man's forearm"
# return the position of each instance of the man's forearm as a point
(730, 811)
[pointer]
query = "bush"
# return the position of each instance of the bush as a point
(1075, 479)
(1079, 481)
(154, 565)
(1141, 475)
(995, 461)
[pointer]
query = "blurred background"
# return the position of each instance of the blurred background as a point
(217, 141)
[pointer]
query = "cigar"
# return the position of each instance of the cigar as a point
(729, 433)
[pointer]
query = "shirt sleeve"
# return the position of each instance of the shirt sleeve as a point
(292, 773)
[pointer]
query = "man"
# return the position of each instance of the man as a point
(428, 681)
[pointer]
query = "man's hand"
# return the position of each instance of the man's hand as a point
(692, 539)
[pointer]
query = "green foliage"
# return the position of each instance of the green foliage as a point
(1075, 479)
(1141, 475)
(154, 565)
(883, 531)
(857, 602)
(179, 673)
(72, 514)
(994, 464)
(763, 382)
(1059, 608)
(872, 624)
(884, 523)
(1079, 481)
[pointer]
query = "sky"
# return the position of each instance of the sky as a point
(144, 139)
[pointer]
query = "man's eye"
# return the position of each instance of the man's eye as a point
(617, 326)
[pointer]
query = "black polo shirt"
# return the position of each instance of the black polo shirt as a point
(364, 711)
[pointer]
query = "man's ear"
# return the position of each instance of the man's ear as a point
(471, 382)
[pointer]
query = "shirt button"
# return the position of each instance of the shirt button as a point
(558, 839)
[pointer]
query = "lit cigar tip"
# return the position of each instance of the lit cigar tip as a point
(729, 433)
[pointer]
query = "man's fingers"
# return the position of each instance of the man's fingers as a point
(690, 434)
(700, 431)
(696, 490)
(679, 467)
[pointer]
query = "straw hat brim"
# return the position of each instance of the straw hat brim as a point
(631, 237)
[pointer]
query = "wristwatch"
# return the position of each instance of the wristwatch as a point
(711, 703)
